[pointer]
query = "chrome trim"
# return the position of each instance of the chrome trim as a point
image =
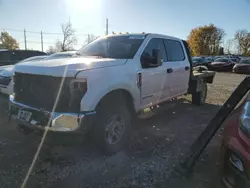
(61, 122)
(11, 99)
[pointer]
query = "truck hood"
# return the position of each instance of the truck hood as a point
(66, 67)
(7, 70)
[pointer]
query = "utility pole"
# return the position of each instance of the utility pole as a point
(25, 42)
(88, 38)
(107, 26)
(42, 40)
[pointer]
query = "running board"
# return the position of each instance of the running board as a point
(156, 109)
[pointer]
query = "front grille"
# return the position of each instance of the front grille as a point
(5, 80)
(40, 91)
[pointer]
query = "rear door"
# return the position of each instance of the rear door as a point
(177, 67)
(152, 77)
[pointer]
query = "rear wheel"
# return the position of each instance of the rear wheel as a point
(199, 98)
(113, 126)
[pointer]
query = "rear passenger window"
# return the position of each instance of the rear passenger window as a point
(174, 50)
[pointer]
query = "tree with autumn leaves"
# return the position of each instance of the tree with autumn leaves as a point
(7, 41)
(206, 40)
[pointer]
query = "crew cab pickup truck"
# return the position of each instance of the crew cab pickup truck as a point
(106, 84)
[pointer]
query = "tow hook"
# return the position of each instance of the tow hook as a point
(23, 129)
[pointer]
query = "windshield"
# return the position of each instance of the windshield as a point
(221, 60)
(245, 61)
(118, 47)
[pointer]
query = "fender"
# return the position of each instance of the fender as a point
(105, 80)
(89, 103)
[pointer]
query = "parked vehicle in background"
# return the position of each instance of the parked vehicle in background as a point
(216, 57)
(209, 60)
(6, 72)
(235, 148)
(235, 60)
(242, 67)
(60, 55)
(11, 57)
(222, 64)
(197, 61)
(107, 83)
(35, 58)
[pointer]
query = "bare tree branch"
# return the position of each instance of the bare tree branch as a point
(69, 39)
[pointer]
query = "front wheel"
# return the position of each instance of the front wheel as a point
(113, 127)
(199, 98)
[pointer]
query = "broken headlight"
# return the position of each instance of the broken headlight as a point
(78, 88)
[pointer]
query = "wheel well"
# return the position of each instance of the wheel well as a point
(118, 95)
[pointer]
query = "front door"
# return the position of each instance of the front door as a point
(152, 76)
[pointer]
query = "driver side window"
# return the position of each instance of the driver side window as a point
(149, 55)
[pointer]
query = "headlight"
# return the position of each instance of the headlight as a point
(78, 88)
(245, 120)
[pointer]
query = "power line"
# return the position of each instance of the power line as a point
(36, 32)
(43, 35)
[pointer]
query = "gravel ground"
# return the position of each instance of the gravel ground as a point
(148, 161)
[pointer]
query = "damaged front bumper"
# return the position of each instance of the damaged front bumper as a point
(39, 119)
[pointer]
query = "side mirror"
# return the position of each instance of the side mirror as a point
(151, 61)
(157, 57)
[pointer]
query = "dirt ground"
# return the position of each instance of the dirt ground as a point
(149, 160)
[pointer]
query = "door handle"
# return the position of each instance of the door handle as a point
(170, 70)
(186, 68)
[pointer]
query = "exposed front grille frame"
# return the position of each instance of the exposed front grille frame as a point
(40, 91)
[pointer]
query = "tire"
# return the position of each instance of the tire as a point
(113, 121)
(199, 98)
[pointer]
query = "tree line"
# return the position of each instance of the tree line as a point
(203, 40)
(208, 39)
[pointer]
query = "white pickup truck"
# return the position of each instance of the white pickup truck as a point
(104, 86)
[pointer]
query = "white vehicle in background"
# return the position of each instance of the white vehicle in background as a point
(104, 86)
(6, 72)
(59, 55)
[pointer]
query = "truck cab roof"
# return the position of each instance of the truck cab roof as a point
(145, 35)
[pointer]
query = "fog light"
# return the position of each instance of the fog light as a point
(236, 162)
